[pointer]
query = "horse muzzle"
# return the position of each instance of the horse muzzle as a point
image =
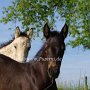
(54, 72)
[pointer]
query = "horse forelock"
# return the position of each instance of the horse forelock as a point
(53, 34)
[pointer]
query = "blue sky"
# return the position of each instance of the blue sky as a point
(76, 62)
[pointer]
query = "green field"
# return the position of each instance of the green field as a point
(78, 86)
(72, 87)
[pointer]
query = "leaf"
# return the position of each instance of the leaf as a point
(38, 12)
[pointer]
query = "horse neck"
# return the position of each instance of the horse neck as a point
(39, 59)
(8, 51)
(43, 67)
(39, 69)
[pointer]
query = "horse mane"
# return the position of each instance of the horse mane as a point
(22, 34)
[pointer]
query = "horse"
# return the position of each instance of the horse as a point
(61, 36)
(18, 47)
(38, 74)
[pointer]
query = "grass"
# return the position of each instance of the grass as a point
(72, 86)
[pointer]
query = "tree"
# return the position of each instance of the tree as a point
(38, 12)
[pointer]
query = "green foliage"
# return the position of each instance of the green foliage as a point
(38, 12)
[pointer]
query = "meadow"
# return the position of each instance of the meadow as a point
(79, 86)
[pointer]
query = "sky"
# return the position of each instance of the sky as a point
(75, 63)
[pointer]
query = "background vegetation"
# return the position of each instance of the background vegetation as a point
(79, 86)
(76, 14)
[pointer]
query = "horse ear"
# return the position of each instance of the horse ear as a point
(64, 31)
(17, 32)
(46, 31)
(30, 33)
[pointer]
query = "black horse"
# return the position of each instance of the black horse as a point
(57, 47)
(35, 75)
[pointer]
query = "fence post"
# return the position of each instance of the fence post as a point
(85, 84)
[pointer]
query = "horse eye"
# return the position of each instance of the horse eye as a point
(29, 48)
(62, 47)
(15, 47)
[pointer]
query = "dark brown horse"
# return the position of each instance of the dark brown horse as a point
(56, 46)
(35, 75)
